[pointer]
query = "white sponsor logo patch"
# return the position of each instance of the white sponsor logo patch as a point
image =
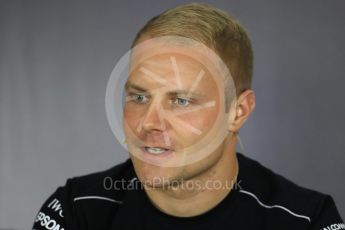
(334, 227)
(56, 206)
(47, 222)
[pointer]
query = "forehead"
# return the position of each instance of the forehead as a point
(186, 49)
(172, 70)
(176, 63)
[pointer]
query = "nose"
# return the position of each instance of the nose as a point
(153, 119)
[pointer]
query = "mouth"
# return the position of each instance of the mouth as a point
(156, 151)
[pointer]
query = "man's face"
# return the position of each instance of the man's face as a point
(172, 102)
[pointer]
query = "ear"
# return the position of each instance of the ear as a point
(245, 106)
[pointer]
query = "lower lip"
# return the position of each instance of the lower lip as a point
(155, 156)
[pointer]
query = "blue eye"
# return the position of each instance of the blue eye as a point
(182, 101)
(139, 98)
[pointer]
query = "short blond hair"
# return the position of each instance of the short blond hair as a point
(212, 27)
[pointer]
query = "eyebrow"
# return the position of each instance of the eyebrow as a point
(132, 85)
(197, 94)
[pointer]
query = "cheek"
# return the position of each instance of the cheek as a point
(132, 116)
(202, 120)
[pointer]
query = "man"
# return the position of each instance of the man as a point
(188, 93)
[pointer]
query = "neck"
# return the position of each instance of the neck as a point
(208, 188)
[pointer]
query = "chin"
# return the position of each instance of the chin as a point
(153, 175)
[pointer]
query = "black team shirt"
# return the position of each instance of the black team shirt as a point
(114, 199)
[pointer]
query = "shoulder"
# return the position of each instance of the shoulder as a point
(93, 195)
(272, 187)
(282, 198)
(101, 183)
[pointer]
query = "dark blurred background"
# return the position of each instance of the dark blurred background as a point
(56, 58)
